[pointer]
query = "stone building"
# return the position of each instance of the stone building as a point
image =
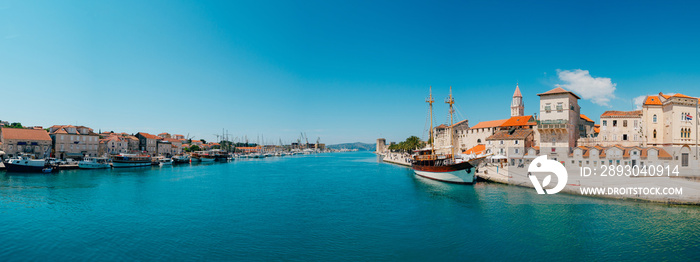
(148, 143)
(35, 142)
(73, 141)
(670, 120)
(558, 125)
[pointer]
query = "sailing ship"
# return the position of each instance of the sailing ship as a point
(444, 167)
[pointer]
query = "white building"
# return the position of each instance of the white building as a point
(670, 120)
(622, 128)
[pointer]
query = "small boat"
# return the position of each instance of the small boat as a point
(181, 159)
(24, 163)
(165, 161)
(131, 160)
(94, 163)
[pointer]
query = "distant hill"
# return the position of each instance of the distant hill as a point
(356, 145)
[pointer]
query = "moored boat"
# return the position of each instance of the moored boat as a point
(131, 160)
(181, 159)
(94, 163)
(23, 163)
(443, 167)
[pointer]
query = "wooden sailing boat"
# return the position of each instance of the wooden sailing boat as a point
(443, 167)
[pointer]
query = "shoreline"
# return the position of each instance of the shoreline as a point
(494, 174)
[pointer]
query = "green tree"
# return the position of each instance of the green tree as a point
(16, 125)
(411, 143)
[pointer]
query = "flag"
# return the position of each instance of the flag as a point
(688, 117)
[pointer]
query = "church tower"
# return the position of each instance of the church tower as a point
(517, 107)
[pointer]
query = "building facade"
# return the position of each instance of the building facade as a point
(670, 120)
(558, 125)
(74, 141)
(148, 143)
(34, 142)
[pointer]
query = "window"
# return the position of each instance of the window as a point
(548, 108)
(614, 123)
(516, 142)
(624, 137)
(654, 119)
(624, 123)
(516, 151)
(635, 123)
(605, 122)
(684, 159)
(478, 141)
(560, 107)
(501, 142)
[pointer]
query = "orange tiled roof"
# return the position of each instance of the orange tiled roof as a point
(147, 135)
(478, 149)
(487, 124)
(634, 113)
(596, 128)
(519, 134)
(652, 100)
(519, 121)
(442, 126)
(584, 117)
(558, 90)
(25, 134)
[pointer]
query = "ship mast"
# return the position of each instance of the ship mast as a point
(450, 101)
(430, 101)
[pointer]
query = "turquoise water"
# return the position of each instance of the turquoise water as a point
(343, 206)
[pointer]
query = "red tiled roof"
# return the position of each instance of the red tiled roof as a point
(652, 100)
(558, 90)
(478, 149)
(25, 134)
(492, 123)
(519, 134)
(147, 135)
(634, 113)
(519, 121)
(584, 117)
(443, 126)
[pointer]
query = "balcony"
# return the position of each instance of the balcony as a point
(553, 124)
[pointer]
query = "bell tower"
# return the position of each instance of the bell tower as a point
(517, 107)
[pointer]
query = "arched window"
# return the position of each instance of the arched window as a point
(478, 141)
(654, 129)
(682, 132)
(654, 119)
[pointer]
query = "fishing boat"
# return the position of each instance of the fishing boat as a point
(94, 163)
(444, 167)
(181, 159)
(24, 163)
(131, 160)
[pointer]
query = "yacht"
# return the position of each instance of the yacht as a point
(94, 163)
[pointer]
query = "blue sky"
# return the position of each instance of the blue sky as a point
(343, 71)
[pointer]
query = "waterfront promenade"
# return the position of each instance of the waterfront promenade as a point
(514, 176)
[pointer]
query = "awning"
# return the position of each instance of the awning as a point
(2, 153)
(498, 157)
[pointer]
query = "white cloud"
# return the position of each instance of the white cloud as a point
(597, 89)
(638, 102)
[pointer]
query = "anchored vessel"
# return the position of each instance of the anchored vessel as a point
(94, 163)
(23, 163)
(443, 167)
(131, 160)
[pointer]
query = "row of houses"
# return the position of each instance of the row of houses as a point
(68, 141)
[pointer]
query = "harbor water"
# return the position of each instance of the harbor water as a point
(323, 207)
